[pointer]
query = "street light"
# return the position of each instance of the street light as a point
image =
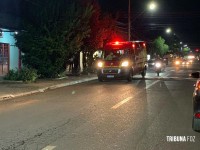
(168, 30)
(151, 6)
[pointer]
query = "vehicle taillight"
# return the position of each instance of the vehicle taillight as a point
(144, 44)
(133, 45)
(197, 115)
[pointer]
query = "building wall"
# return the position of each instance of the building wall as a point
(8, 37)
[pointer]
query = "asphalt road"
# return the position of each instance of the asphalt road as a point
(147, 114)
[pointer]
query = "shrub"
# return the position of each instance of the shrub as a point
(25, 74)
(12, 75)
(28, 74)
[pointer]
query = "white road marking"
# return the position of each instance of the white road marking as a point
(129, 98)
(148, 86)
(49, 148)
(121, 103)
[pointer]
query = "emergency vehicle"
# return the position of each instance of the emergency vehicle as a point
(122, 60)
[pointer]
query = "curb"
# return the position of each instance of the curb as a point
(10, 96)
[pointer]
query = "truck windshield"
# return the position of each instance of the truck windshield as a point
(115, 54)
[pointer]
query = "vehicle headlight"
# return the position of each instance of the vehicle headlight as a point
(158, 65)
(100, 64)
(125, 64)
(177, 62)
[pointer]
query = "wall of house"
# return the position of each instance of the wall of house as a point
(8, 37)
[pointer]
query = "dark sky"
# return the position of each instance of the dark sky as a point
(182, 16)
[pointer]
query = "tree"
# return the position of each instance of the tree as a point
(174, 43)
(159, 46)
(103, 29)
(52, 34)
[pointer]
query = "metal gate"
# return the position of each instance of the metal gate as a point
(4, 58)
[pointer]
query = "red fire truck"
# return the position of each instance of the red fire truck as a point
(122, 60)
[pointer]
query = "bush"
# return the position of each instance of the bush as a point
(28, 75)
(25, 74)
(12, 75)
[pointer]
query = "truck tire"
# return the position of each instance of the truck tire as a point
(129, 77)
(100, 79)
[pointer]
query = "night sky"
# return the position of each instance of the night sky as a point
(182, 16)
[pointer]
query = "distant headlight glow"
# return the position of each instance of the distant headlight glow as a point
(177, 62)
(191, 57)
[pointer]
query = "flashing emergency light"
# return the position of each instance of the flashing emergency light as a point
(116, 43)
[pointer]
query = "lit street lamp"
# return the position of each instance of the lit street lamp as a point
(168, 30)
(151, 6)
(181, 45)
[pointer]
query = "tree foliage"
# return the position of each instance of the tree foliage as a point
(52, 31)
(103, 29)
(174, 43)
(159, 46)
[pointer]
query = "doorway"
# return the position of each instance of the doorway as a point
(4, 59)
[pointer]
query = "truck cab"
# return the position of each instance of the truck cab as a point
(122, 60)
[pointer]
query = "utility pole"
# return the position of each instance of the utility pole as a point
(129, 20)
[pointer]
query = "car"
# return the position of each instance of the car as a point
(177, 61)
(185, 62)
(196, 103)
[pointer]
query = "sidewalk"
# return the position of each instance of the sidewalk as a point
(9, 89)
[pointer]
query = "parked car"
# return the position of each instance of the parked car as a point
(196, 103)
